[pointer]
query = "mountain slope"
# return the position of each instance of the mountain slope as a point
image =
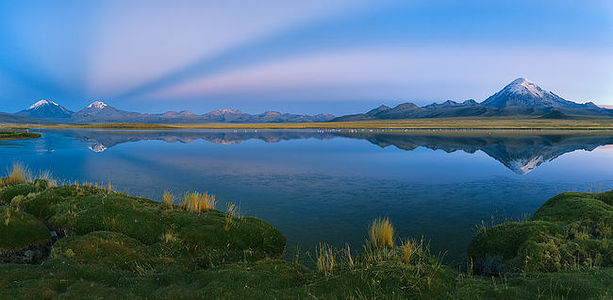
(101, 112)
(46, 109)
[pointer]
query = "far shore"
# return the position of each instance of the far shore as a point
(513, 124)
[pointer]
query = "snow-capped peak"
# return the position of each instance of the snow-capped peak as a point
(97, 105)
(526, 87)
(42, 103)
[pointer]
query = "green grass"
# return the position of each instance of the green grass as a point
(113, 245)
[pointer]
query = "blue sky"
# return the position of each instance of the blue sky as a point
(337, 56)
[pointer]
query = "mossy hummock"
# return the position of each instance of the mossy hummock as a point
(570, 231)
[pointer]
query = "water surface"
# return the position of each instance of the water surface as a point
(326, 186)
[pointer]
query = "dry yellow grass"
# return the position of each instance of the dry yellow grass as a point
(198, 202)
(19, 174)
(381, 233)
(46, 175)
(410, 249)
(231, 213)
(325, 259)
(169, 237)
(168, 200)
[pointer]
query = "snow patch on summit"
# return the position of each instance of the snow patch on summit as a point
(97, 105)
(42, 103)
(525, 87)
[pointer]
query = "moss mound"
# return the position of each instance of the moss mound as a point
(19, 230)
(111, 249)
(570, 231)
(208, 237)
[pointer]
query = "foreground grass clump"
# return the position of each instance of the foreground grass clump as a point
(381, 233)
(168, 200)
(18, 174)
(198, 202)
(19, 230)
(570, 231)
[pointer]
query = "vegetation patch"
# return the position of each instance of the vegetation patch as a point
(570, 231)
(17, 135)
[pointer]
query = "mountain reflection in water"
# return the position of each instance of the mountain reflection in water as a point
(520, 152)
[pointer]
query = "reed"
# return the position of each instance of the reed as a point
(381, 233)
(198, 202)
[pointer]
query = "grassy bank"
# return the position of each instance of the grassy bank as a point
(110, 245)
(438, 123)
(17, 135)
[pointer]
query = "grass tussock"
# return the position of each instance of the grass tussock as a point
(18, 174)
(198, 202)
(325, 259)
(381, 233)
(410, 250)
(230, 215)
(168, 200)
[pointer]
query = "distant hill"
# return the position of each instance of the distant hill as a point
(519, 98)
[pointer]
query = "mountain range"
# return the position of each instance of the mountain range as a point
(519, 98)
(100, 112)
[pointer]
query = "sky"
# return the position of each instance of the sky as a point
(333, 56)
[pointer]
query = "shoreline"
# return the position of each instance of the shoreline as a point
(410, 124)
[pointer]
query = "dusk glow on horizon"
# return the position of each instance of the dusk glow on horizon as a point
(339, 57)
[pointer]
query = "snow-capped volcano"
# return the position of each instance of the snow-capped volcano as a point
(524, 93)
(46, 109)
(97, 105)
(42, 103)
(99, 111)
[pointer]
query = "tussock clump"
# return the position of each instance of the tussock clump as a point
(231, 213)
(169, 237)
(168, 200)
(198, 202)
(381, 233)
(48, 178)
(19, 174)
(325, 259)
(410, 250)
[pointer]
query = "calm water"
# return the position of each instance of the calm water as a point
(327, 186)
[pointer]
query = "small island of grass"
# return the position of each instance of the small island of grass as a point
(17, 135)
(106, 244)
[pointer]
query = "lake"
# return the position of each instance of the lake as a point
(327, 186)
